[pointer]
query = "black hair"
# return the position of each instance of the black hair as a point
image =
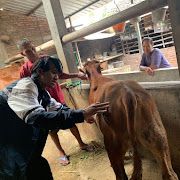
(148, 39)
(44, 64)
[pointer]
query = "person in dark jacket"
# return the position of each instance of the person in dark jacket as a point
(27, 114)
(28, 49)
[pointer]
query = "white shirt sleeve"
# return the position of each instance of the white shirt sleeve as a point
(24, 98)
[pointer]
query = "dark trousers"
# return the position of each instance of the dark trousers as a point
(39, 169)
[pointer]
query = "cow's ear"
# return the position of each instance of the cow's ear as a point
(81, 70)
(99, 69)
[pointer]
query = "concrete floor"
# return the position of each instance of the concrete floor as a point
(90, 165)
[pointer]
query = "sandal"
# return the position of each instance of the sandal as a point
(88, 148)
(64, 159)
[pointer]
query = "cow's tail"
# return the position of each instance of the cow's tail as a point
(130, 104)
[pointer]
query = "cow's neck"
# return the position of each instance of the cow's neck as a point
(95, 75)
(94, 78)
(96, 85)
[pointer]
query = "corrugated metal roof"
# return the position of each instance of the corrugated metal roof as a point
(76, 8)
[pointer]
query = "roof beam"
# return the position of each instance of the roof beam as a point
(2, 2)
(134, 11)
(82, 8)
(35, 9)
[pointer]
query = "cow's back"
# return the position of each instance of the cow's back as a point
(127, 98)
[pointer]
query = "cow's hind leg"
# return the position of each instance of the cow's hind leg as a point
(154, 138)
(137, 173)
(116, 152)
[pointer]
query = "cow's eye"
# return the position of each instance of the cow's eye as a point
(99, 69)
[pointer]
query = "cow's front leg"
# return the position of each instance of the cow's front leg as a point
(116, 152)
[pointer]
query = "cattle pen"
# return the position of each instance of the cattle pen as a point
(166, 94)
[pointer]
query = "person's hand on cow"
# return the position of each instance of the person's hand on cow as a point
(94, 109)
(82, 76)
(90, 120)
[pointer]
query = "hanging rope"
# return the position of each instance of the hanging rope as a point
(76, 84)
(73, 84)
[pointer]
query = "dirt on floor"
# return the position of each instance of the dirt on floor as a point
(90, 165)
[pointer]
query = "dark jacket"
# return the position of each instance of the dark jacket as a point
(27, 114)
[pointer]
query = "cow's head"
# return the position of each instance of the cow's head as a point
(91, 67)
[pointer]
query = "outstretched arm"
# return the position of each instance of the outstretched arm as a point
(66, 118)
(23, 100)
(72, 75)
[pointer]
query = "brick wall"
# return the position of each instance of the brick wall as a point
(18, 26)
(170, 54)
(134, 59)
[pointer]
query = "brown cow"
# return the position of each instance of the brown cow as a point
(132, 119)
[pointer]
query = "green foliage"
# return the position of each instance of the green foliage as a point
(105, 12)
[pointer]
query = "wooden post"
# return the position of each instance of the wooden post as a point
(174, 13)
(76, 46)
(124, 52)
(58, 30)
